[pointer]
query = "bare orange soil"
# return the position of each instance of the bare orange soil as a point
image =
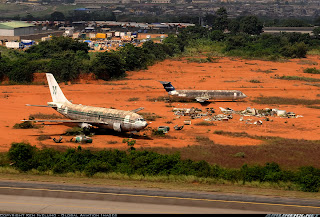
(226, 73)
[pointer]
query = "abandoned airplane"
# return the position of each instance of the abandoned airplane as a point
(203, 95)
(87, 116)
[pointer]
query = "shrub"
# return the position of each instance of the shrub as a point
(308, 179)
(311, 71)
(24, 125)
(26, 157)
(22, 155)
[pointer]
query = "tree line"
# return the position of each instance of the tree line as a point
(66, 59)
(26, 157)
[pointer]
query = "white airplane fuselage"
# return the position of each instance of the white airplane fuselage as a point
(205, 95)
(114, 119)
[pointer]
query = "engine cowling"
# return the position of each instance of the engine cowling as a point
(85, 125)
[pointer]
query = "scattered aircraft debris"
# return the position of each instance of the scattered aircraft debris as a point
(57, 140)
(176, 127)
(228, 113)
(164, 129)
(82, 139)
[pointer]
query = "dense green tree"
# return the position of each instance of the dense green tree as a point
(46, 49)
(5, 66)
(221, 20)
(217, 35)
(21, 70)
(317, 21)
(64, 66)
(173, 44)
(251, 25)
(57, 16)
(108, 65)
(22, 156)
(209, 19)
(155, 51)
(234, 26)
(316, 32)
(29, 17)
(134, 57)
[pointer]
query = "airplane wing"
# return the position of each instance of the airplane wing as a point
(202, 99)
(53, 106)
(68, 121)
(138, 109)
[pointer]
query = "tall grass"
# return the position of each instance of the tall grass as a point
(201, 46)
(311, 71)
(40, 115)
(297, 78)
(285, 101)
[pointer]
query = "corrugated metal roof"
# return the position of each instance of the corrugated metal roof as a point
(14, 25)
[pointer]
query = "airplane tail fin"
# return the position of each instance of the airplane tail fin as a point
(167, 86)
(56, 93)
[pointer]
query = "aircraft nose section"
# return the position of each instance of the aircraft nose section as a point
(244, 95)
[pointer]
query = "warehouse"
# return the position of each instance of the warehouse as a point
(18, 30)
(15, 28)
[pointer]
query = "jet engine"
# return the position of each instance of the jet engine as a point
(85, 125)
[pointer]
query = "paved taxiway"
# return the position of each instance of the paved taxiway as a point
(49, 205)
(36, 197)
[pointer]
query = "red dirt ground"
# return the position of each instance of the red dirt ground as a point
(226, 73)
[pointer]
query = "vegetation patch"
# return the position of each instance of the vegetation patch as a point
(45, 116)
(25, 157)
(75, 131)
(314, 106)
(297, 78)
(149, 116)
(204, 140)
(25, 125)
(255, 81)
(285, 101)
(311, 71)
(133, 99)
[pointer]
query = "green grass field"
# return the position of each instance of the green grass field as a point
(11, 10)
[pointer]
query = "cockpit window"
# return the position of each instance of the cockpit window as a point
(140, 119)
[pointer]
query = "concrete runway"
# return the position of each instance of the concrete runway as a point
(38, 197)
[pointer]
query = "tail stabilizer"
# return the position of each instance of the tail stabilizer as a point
(167, 86)
(56, 93)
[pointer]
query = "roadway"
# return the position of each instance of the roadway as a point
(37, 197)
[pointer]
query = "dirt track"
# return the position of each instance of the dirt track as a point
(226, 73)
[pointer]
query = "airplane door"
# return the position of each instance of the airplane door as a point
(117, 127)
(126, 121)
(234, 95)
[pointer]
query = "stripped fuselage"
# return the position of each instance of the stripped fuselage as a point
(208, 94)
(118, 120)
